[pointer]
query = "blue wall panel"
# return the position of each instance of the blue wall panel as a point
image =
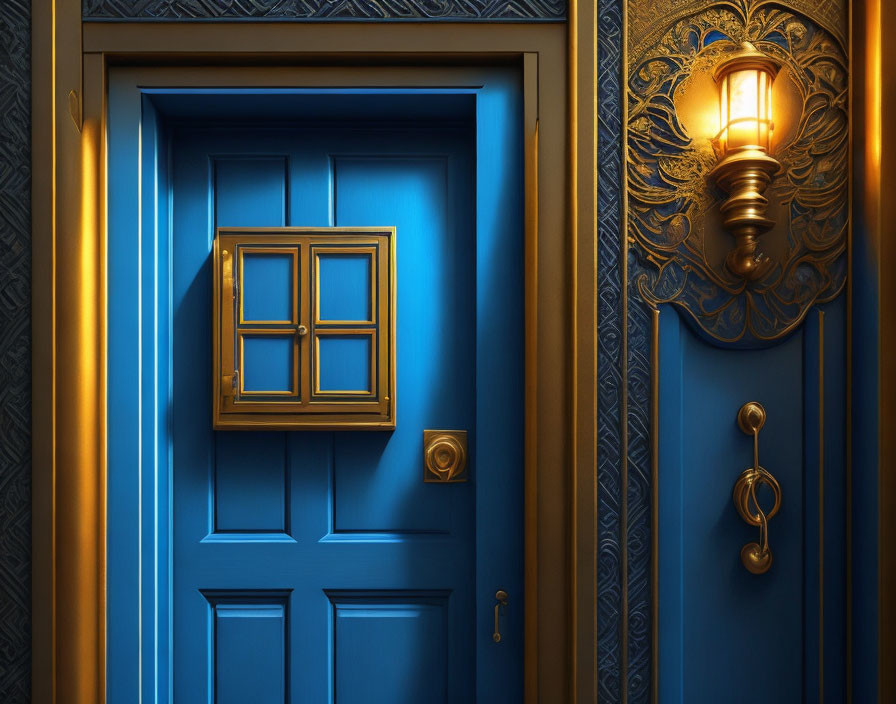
(712, 612)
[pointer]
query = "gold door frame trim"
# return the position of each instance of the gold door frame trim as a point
(874, 112)
(582, 53)
(69, 304)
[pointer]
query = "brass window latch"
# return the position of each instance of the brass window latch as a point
(757, 557)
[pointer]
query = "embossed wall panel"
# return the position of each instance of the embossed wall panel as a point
(15, 352)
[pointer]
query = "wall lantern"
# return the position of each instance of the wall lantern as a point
(745, 90)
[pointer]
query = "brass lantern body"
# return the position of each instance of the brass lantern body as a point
(745, 79)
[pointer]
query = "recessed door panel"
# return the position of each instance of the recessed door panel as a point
(412, 664)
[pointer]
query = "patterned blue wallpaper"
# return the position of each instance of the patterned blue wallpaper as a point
(15, 351)
(623, 411)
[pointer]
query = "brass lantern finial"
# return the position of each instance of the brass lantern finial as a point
(745, 80)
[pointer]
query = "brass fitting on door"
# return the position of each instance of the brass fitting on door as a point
(445, 455)
(501, 600)
(756, 557)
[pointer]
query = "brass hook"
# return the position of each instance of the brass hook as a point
(757, 557)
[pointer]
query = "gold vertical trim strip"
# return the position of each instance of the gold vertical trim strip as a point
(79, 342)
(654, 504)
(583, 312)
(305, 292)
(821, 506)
(573, 214)
(530, 439)
(883, 73)
(849, 332)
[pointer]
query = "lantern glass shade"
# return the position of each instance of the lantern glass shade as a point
(746, 109)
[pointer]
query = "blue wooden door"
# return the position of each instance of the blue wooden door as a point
(318, 566)
(315, 566)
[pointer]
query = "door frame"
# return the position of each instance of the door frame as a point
(71, 59)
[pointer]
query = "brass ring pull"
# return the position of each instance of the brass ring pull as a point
(756, 557)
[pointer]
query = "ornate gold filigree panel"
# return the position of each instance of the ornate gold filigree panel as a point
(675, 229)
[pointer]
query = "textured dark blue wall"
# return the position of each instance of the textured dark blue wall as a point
(414, 10)
(15, 351)
(623, 411)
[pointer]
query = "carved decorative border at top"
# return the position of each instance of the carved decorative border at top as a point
(328, 10)
(672, 197)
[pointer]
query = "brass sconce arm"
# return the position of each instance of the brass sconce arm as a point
(744, 175)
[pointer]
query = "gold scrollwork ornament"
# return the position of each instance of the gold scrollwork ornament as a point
(675, 226)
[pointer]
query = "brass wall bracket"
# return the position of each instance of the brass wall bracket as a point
(756, 557)
(745, 175)
(444, 456)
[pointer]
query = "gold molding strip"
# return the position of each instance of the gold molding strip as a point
(623, 367)
(820, 506)
(654, 504)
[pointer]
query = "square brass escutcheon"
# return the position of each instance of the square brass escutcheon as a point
(444, 456)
